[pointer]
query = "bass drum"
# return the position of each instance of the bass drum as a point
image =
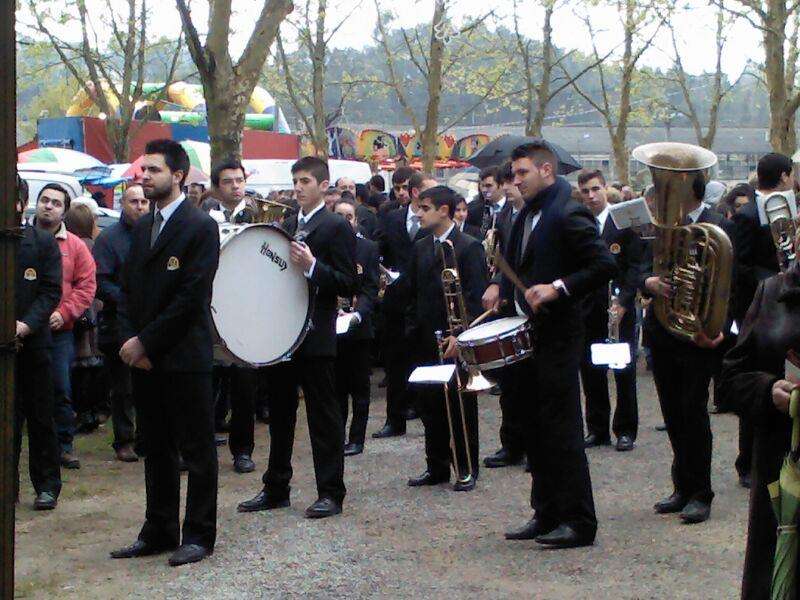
(261, 303)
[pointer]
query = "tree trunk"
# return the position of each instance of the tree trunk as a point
(620, 151)
(434, 90)
(775, 74)
(225, 119)
(543, 90)
(319, 134)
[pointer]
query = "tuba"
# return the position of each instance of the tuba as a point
(697, 259)
(782, 227)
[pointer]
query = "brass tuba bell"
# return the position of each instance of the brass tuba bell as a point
(697, 259)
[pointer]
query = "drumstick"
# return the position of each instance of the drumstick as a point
(488, 313)
(506, 269)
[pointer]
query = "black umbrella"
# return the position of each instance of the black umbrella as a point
(499, 150)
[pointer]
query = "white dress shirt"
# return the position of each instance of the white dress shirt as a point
(695, 214)
(410, 214)
(444, 237)
(303, 219)
(601, 218)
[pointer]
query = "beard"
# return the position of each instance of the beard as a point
(157, 192)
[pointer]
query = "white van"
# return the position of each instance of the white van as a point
(38, 179)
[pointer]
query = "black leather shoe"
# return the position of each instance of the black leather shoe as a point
(661, 427)
(592, 440)
(68, 461)
(352, 449)
(624, 443)
(262, 501)
(262, 415)
(528, 531)
(188, 553)
(389, 431)
(428, 478)
(324, 507)
(464, 485)
(495, 390)
(243, 464)
(502, 458)
(696, 512)
(411, 414)
(140, 548)
(563, 536)
(744, 481)
(220, 439)
(182, 466)
(45, 501)
(527, 465)
(675, 503)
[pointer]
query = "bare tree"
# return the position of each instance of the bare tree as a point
(227, 85)
(719, 86)
(116, 71)
(433, 60)
(540, 91)
(314, 38)
(640, 24)
(778, 22)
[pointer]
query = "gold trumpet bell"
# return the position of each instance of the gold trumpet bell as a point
(477, 382)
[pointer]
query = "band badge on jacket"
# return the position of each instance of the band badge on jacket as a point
(30, 274)
(173, 264)
(615, 248)
(359, 269)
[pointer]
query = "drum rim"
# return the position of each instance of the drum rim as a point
(498, 336)
(312, 296)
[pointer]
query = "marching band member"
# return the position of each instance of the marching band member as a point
(626, 247)
(427, 313)
(682, 372)
(555, 249)
(326, 253)
(353, 347)
(165, 318)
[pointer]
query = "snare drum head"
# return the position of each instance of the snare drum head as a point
(260, 302)
(492, 329)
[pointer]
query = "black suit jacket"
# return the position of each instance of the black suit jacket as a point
(395, 247)
(756, 256)
(656, 333)
(564, 245)
(426, 311)
(627, 249)
(333, 244)
(166, 290)
(472, 231)
(367, 277)
(367, 221)
(37, 285)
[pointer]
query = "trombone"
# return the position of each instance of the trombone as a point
(456, 323)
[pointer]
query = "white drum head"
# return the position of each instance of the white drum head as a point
(492, 329)
(260, 302)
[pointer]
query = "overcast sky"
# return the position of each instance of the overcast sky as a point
(695, 25)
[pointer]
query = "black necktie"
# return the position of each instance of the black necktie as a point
(158, 219)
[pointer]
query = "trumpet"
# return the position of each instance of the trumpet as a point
(490, 243)
(782, 227)
(613, 319)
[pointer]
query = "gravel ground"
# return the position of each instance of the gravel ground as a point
(391, 540)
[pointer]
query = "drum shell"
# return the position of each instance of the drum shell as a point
(498, 350)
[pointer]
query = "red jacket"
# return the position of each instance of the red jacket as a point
(78, 277)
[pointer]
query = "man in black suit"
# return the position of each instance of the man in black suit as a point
(626, 248)
(427, 314)
(165, 319)
(756, 261)
(353, 346)
(682, 372)
(484, 206)
(326, 252)
(512, 431)
(556, 250)
(397, 233)
(37, 292)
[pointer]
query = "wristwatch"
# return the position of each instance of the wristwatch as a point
(560, 288)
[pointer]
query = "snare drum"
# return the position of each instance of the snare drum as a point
(496, 343)
(261, 303)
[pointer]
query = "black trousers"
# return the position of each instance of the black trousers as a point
(118, 375)
(398, 363)
(744, 460)
(176, 414)
(34, 404)
(316, 377)
(595, 379)
(547, 388)
(682, 381)
(352, 380)
(243, 389)
(512, 430)
(433, 409)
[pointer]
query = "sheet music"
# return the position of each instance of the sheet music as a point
(633, 213)
(614, 356)
(433, 374)
(343, 323)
